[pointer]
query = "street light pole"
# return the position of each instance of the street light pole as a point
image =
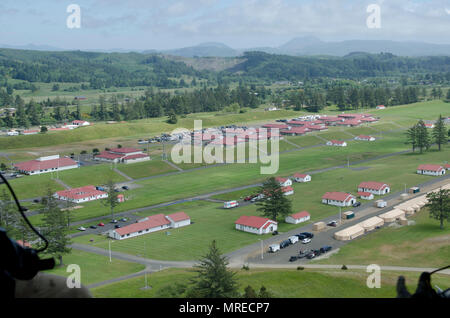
(262, 250)
(110, 259)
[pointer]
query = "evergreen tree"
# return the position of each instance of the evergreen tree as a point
(213, 279)
(264, 293)
(439, 205)
(422, 137)
(274, 203)
(440, 132)
(172, 118)
(411, 135)
(78, 112)
(55, 227)
(111, 201)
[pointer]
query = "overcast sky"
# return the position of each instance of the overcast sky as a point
(165, 24)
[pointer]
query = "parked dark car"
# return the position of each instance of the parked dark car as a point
(124, 219)
(356, 204)
(310, 255)
(325, 249)
(293, 258)
(275, 233)
(317, 252)
(285, 243)
(126, 187)
(93, 227)
(116, 226)
(36, 201)
(307, 234)
(332, 223)
(302, 254)
(300, 236)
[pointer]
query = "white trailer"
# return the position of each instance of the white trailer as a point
(230, 204)
(293, 239)
(274, 247)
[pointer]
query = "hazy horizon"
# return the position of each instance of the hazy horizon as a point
(162, 25)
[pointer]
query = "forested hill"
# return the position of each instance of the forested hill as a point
(103, 70)
(99, 69)
(358, 65)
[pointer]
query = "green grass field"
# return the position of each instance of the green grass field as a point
(145, 169)
(95, 268)
(421, 245)
(213, 222)
(281, 283)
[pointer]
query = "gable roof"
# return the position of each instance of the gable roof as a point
(300, 175)
(373, 185)
(430, 167)
(179, 216)
(80, 193)
(34, 165)
(300, 215)
(337, 196)
(151, 222)
(254, 221)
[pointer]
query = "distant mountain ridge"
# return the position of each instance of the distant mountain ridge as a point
(299, 46)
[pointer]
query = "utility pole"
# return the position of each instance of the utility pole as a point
(262, 250)
(110, 259)
(340, 216)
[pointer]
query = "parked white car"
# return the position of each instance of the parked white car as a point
(293, 239)
(306, 240)
(274, 247)
(82, 228)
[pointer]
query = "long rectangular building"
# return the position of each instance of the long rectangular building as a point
(45, 165)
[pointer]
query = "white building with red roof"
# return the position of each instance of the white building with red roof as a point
(299, 217)
(295, 131)
(256, 225)
(447, 166)
(337, 143)
(151, 224)
(365, 138)
(80, 195)
(287, 190)
(30, 132)
(45, 165)
(338, 198)
(178, 219)
(301, 177)
(124, 155)
(378, 188)
(365, 195)
(284, 182)
(431, 170)
(381, 107)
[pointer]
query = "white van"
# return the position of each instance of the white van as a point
(293, 239)
(230, 204)
(274, 247)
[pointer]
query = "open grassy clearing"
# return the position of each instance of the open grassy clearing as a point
(90, 175)
(146, 168)
(281, 283)
(32, 186)
(95, 268)
(423, 245)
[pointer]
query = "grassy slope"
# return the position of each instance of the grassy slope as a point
(423, 244)
(284, 283)
(96, 268)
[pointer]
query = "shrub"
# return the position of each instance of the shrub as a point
(344, 267)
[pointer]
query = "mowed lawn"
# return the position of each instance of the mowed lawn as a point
(98, 174)
(95, 268)
(281, 283)
(211, 221)
(32, 186)
(421, 245)
(146, 168)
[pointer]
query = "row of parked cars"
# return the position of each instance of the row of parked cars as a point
(304, 238)
(310, 254)
(82, 228)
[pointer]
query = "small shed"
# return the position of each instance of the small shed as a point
(348, 215)
(299, 217)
